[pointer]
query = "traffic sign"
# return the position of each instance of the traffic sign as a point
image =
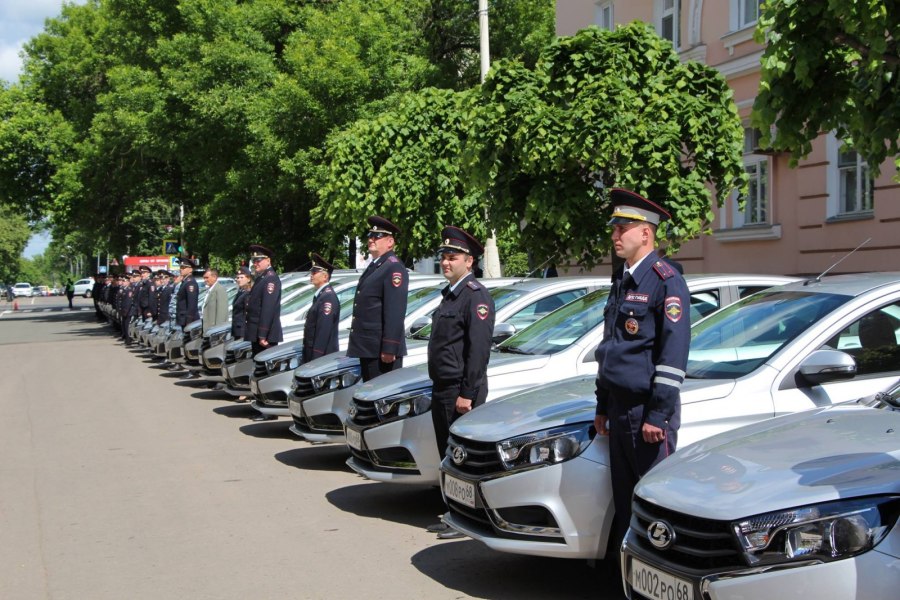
(170, 247)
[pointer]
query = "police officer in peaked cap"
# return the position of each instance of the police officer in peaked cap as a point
(460, 343)
(263, 327)
(377, 332)
(186, 304)
(643, 355)
(320, 333)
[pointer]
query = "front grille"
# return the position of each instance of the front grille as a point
(700, 544)
(303, 387)
(481, 457)
(205, 345)
(260, 370)
(328, 423)
(230, 357)
(365, 413)
(276, 398)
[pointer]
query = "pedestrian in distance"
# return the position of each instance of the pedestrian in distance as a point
(460, 343)
(643, 355)
(377, 335)
(70, 291)
(320, 332)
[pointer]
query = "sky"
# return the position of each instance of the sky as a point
(20, 20)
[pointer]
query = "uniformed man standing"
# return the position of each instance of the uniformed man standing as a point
(644, 351)
(460, 343)
(163, 294)
(146, 291)
(263, 328)
(186, 310)
(320, 333)
(377, 332)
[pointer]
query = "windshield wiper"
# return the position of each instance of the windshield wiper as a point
(512, 350)
(887, 399)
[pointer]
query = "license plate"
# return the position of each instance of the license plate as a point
(294, 406)
(254, 387)
(459, 490)
(354, 438)
(659, 585)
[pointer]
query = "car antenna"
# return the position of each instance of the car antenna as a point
(538, 268)
(826, 271)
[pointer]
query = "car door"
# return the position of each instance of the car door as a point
(871, 337)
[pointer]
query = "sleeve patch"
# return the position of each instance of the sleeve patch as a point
(190, 288)
(673, 309)
(396, 279)
(326, 308)
(270, 287)
(482, 311)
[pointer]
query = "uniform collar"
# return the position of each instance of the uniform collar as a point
(451, 289)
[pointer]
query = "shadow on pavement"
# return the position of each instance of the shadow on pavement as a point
(211, 395)
(418, 506)
(270, 430)
(194, 383)
(329, 457)
(237, 411)
(477, 571)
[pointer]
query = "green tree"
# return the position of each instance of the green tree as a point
(831, 65)
(14, 235)
(603, 109)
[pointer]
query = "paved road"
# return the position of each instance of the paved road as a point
(118, 480)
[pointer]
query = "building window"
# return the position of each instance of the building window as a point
(604, 15)
(756, 202)
(668, 20)
(856, 183)
(745, 12)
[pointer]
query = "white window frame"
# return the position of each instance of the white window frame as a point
(604, 15)
(757, 165)
(864, 184)
(737, 19)
(661, 13)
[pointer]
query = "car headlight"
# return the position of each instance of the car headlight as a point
(285, 363)
(336, 380)
(546, 447)
(218, 338)
(404, 405)
(823, 532)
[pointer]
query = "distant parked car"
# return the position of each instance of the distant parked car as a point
(54, 291)
(23, 289)
(42, 290)
(83, 287)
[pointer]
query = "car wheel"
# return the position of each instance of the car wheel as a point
(87, 294)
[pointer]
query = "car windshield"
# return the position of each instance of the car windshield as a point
(501, 295)
(738, 339)
(422, 296)
(298, 301)
(561, 328)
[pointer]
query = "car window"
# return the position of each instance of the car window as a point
(704, 303)
(749, 290)
(504, 295)
(872, 341)
(543, 306)
(736, 340)
(561, 328)
(345, 297)
(422, 296)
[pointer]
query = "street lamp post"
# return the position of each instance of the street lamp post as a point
(491, 254)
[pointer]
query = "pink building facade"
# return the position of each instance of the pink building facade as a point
(796, 220)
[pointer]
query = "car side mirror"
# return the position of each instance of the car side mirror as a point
(503, 331)
(591, 355)
(418, 325)
(823, 366)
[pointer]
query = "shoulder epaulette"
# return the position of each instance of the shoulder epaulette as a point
(664, 270)
(473, 284)
(393, 259)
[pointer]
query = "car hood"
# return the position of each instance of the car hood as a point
(698, 390)
(279, 351)
(568, 401)
(503, 363)
(217, 329)
(193, 325)
(844, 451)
(326, 364)
(394, 382)
(237, 345)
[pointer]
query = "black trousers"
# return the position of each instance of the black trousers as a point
(443, 411)
(256, 347)
(630, 457)
(370, 368)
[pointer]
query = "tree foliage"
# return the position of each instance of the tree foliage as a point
(831, 65)
(14, 235)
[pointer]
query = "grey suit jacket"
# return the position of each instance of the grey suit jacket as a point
(215, 310)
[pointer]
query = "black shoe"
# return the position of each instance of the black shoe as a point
(439, 528)
(190, 375)
(263, 418)
(450, 535)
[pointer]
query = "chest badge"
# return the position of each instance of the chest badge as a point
(482, 311)
(396, 279)
(631, 326)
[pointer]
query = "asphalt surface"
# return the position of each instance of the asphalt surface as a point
(119, 480)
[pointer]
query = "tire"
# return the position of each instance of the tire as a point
(87, 294)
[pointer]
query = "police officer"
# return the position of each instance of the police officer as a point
(644, 351)
(146, 292)
(244, 279)
(186, 309)
(128, 304)
(164, 290)
(460, 343)
(377, 335)
(263, 328)
(320, 333)
(96, 290)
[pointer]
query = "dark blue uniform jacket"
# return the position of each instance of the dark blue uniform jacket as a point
(186, 310)
(379, 310)
(320, 333)
(264, 309)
